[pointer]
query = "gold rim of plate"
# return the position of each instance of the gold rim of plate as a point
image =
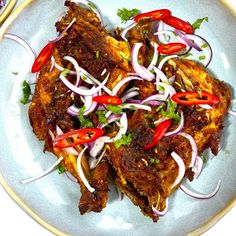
(231, 6)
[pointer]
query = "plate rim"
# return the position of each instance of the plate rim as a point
(203, 228)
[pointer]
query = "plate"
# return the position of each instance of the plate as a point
(53, 200)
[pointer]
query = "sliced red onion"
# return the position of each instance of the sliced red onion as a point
(49, 170)
(164, 60)
(81, 173)
(125, 31)
(186, 40)
(158, 97)
(123, 127)
(194, 147)
(51, 134)
(98, 145)
(171, 80)
(161, 213)
(139, 69)
(197, 168)
(155, 56)
(129, 95)
(122, 82)
(231, 111)
(60, 68)
(136, 106)
(110, 119)
(23, 43)
(71, 177)
(69, 150)
(160, 75)
(207, 49)
(53, 63)
(205, 106)
(93, 7)
(169, 89)
(81, 91)
(93, 162)
(162, 119)
(181, 172)
(201, 196)
(63, 33)
(104, 72)
(120, 194)
(161, 37)
(151, 102)
(179, 128)
(91, 109)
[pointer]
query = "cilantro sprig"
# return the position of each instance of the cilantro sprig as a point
(85, 122)
(26, 90)
(124, 140)
(126, 14)
(198, 22)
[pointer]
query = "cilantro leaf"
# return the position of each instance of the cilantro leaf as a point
(126, 14)
(61, 169)
(102, 117)
(114, 109)
(153, 160)
(65, 72)
(85, 122)
(26, 92)
(198, 22)
(124, 140)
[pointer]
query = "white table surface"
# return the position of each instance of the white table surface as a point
(14, 221)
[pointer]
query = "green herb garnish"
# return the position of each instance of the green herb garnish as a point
(124, 56)
(102, 117)
(14, 73)
(65, 72)
(202, 57)
(124, 140)
(85, 122)
(187, 55)
(153, 160)
(204, 158)
(26, 92)
(97, 54)
(60, 169)
(204, 45)
(126, 14)
(198, 22)
(114, 109)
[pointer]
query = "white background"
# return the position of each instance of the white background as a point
(14, 221)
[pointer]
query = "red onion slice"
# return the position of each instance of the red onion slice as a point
(139, 69)
(110, 119)
(81, 173)
(122, 82)
(171, 80)
(201, 196)
(197, 168)
(60, 68)
(151, 102)
(162, 119)
(158, 97)
(71, 177)
(123, 127)
(186, 40)
(179, 128)
(81, 91)
(53, 63)
(49, 170)
(164, 60)
(161, 213)
(169, 89)
(125, 31)
(181, 172)
(155, 56)
(207, 48)
(205, 106)
(161, 37)
(93, 7)
(98, 145)
(136, 106)
(93, 162)
(231, 111)
(63, 33)
(129, 95)
(194, 147)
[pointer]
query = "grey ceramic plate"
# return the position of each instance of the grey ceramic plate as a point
(53, 200)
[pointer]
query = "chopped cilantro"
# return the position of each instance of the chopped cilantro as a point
(132, 106)
(60, 169)
(126, 14)
(154, 160)
(85, 122)
(97, 54)
(26, 92)
(161, 88)
(102, 117)
(187, 55)
(14, 73)
(65, 72)
(159, 108)
(145, 31)
(114, 109)
(124, 140)
(171, 111)
(204, 158)
(204, 45)
(198, 22)
(125, 56)
(202, 57)
(91, 5)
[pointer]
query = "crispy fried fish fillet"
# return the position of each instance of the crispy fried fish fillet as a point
(51, 99)
(149, 183)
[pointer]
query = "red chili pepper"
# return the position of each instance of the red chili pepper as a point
(179, 24)
(195, 98)
(43, 57)
(159, 132)
(153, 15)
(170, 48)
(106, 99)
(80, 136)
